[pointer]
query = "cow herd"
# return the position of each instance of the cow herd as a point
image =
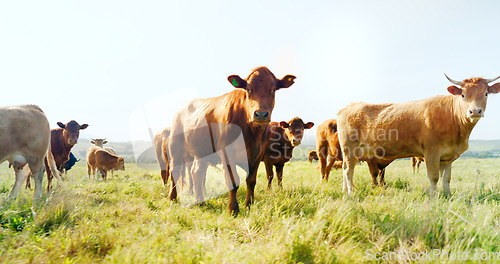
(235, 129)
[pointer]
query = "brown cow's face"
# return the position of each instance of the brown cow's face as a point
(294, 130)
(474, 94)
(71, 131)
(260, 86)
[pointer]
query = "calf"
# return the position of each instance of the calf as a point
(282, 138)
(103, 161)
(328, 146)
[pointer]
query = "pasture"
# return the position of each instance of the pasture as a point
(129, 218)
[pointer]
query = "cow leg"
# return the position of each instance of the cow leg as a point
(269, 172)
(381, 179)
(37, 170)
(89, 169)
(279, 174)
(418, 164)
(197, 179)
(446, 173)
(329, 165)
(348, 166)
(21, 175)
(323, 158)
(49, 175)
(433, 165)
(413, 163)
(232, 181)
(251, 181)
(177, 150)
(28, 182)
(374, 171)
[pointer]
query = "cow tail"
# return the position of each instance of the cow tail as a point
(52, 166)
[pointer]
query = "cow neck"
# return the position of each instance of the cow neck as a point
(65, 146)
(464, 124)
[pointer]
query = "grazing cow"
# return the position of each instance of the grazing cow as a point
(415, 163)
(161, 144)
(282, 138)
(100, 143)
(62, 139)
(103, 161)
(24, 140)
(436, 128)
(312, 155)
(328, 146)
(70, 163)
(207, 126)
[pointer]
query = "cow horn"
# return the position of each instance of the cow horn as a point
(492, 80)
(453, 81)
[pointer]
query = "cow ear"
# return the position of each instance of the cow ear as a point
(104, 142)
(84, 126)
(284, 124)
(61, 125)
(495, 88)
(237, 82)
(92, 141)
(454, 90)
(308, 125)
(285, 82)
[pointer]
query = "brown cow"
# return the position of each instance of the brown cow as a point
(328, 146)
(312, 155)
(415, 163)
(207, 126)
(62, 139)
(103, 161)
(435, 128)
(161, 144)
(282, 138)
(100, 143)
(24, 137)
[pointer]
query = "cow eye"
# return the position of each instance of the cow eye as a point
(486, 94)
(463, 96)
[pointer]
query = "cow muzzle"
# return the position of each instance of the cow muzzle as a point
(261, 117)
(475, 113)
(296, 142)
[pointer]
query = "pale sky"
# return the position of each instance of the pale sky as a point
(123, 66)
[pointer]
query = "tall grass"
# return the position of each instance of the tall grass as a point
(129, 219)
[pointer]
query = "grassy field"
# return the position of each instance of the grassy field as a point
(129, 219)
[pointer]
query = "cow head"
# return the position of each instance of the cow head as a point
(98, 141)
(294, 129)
(260, 87)
(120, 164)
(71, 131)
(474, 93)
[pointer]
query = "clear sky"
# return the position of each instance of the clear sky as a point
(123, 66)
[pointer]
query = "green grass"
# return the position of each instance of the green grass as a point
(129, 218)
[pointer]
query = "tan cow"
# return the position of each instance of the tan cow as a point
(328, 146)
(103, 161)
(205, 129)
(25, 140)
(161, 144)
(282, 138)
(435, 128)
